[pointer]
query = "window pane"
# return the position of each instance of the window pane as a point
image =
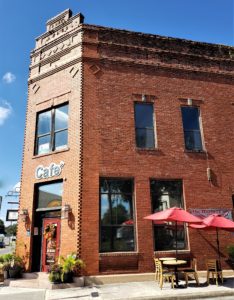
(166, 194)
(144, 115)
(117, 225)
(43, 145)
(121, 209)
(50, 195)
(193, 140)
(145, 138)
(117, 238)
(105, 210)
(115, 186)
(61, 117)
(165, 237)
(44, 123)
(60, 140)
(190, 117)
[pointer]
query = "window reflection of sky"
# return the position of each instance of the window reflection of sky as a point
(53, 188)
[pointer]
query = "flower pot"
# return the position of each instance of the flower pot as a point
(6, 274)
(68, 277)
(55, 277)
(14, 273)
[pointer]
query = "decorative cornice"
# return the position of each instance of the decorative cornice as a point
(51, 72)
(156, 65)
(55, 57)
(55, 42)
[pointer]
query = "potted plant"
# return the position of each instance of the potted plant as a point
(6, 268)
(16, 267)
(55, 272)
(70, 265)
(6, 260)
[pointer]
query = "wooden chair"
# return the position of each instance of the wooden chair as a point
(191, 271)
(164, 275)
(213, 267)
(156, 264)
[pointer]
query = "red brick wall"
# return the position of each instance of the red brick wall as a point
(110, 151)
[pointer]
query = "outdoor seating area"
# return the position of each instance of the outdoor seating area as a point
(171, 270)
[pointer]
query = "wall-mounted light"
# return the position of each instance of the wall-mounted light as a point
(24, 214)
(209, 174)
(190, 101)
(143, 98)
(66, 210)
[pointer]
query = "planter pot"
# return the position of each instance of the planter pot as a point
(15, 273)
(68, 277)
(6, 274)
(55, 277)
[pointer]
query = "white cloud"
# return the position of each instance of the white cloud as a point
(5, 111)
(8, 77)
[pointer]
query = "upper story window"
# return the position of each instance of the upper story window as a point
(191, 125)
(144, 125)
(52, 130)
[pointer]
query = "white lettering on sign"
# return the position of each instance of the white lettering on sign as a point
(51, 171)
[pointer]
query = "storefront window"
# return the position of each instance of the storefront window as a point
(116, 215)
(50, 195)
(166, 194)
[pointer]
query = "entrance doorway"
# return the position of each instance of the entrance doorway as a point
(42, 219)
(50, 242)
(46, 225)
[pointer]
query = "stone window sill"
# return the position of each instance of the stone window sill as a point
(51, 153)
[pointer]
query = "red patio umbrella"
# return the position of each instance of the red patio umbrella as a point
(215, 222)
(174, 214)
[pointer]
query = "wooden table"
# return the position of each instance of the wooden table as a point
(167, 258)
(175, 263)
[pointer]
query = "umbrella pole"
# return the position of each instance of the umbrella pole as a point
(217, 240)
(176, 237)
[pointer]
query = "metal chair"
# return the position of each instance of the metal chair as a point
(191, 271)
(213, 267)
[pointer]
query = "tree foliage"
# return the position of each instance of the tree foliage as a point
(2, 227)
(11, 229)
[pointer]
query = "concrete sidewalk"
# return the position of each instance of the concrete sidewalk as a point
(145, 290)
(125, 291)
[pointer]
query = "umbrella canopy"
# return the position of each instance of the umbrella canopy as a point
(219, 221)
(215, 222)
(174, 214)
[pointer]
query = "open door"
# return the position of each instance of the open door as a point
(50, 242)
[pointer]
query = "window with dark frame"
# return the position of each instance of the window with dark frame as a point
(116, 215)
(144, 125)
(191, 126)
(166, 194)
(52, 130)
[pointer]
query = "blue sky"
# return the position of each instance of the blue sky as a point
(22, 21)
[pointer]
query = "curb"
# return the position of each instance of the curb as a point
(184, 296)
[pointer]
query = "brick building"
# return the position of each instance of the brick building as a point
(120, 124)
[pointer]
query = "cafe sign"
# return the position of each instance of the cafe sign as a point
(52, 170)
